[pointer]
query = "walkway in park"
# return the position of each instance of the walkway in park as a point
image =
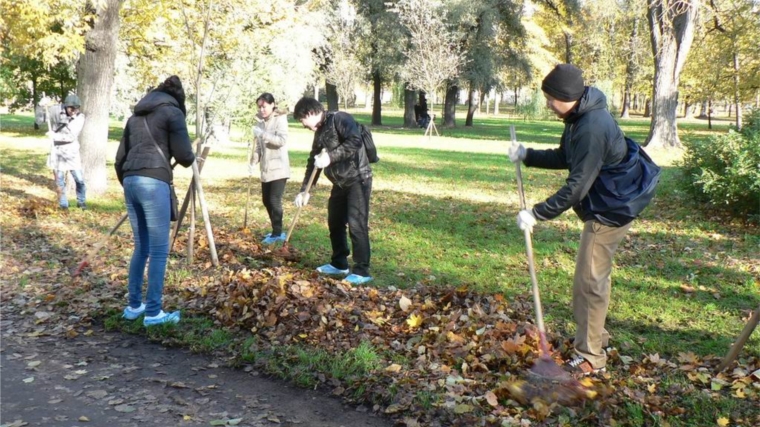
(114, 380)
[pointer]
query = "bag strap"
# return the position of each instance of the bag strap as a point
(160, 151)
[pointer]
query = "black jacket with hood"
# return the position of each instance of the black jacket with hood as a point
(137, 155)
(340, 136)
(591, 140)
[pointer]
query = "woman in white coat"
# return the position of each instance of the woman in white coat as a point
(64, 152)
(271, 135)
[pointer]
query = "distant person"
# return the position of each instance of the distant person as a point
(346, 165)
(64, 153)
(608, 185)
(271, 135)
(155, 134)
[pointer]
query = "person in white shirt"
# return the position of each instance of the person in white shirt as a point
(64, 152)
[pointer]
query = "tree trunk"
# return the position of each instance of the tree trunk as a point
(630, 68)
(409, 99)
(35, 99)
(737, 95)
(702, 110)
(687, 109)
(450, 106)
(517, 91)
(377, 107)
(568, 47)
(472, 104)
(648, 108)
(331, 92)
(672, 31)
(95, 71)
(496, 101)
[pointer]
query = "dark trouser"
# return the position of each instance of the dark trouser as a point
(350, 206)
(271, 194)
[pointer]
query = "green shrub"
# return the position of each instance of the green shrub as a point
(534, 108)
(724, 171)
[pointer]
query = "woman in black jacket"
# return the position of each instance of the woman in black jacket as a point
(154, 134)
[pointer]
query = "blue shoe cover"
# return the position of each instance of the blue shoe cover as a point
(355, 279)
(161, 318)
(133, 313)
(329, 269)
(270, 239)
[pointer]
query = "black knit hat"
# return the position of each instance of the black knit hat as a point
(564, 83)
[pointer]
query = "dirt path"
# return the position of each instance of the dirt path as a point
(113, 379)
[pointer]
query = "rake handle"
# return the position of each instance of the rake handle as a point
(298, 212)
(529, 253)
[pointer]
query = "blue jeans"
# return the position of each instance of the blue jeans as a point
(60, 181)
(149, 214)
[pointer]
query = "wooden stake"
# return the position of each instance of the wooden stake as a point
(204, 211)
(186, 201)
(430, 128)
(739, 344)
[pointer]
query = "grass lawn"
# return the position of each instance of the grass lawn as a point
(443, 214)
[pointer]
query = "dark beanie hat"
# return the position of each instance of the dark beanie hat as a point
(564, 82)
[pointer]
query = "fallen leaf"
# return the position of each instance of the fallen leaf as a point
(723, 421)
(405, 303)
(491, 399)
(414, 321)
(29, 380)
(393, 368)
(84, 419)
(463, 408)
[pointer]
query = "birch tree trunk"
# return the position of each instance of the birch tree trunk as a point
(95, 71)
(671, 24)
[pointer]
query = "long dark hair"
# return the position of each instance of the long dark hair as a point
(266, 97)
(173, 87)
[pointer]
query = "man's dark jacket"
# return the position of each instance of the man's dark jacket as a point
(137, 155)
(595, 151)
(341, 136)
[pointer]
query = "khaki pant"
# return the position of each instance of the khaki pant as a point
(591, 289)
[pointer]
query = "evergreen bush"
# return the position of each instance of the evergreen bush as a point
(723, 172)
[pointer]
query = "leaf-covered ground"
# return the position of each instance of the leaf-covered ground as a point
(442, 356)
(451, 345)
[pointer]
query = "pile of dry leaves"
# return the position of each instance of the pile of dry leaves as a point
(471, 350)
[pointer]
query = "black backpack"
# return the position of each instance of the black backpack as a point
(369, 143)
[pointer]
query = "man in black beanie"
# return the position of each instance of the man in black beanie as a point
(595, 152)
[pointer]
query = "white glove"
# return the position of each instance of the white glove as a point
(251, 168)
(526, 220)
(302, 199)
(322, 160)
(517, 152)
(257, 131)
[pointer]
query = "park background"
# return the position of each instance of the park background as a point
(443, 207)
